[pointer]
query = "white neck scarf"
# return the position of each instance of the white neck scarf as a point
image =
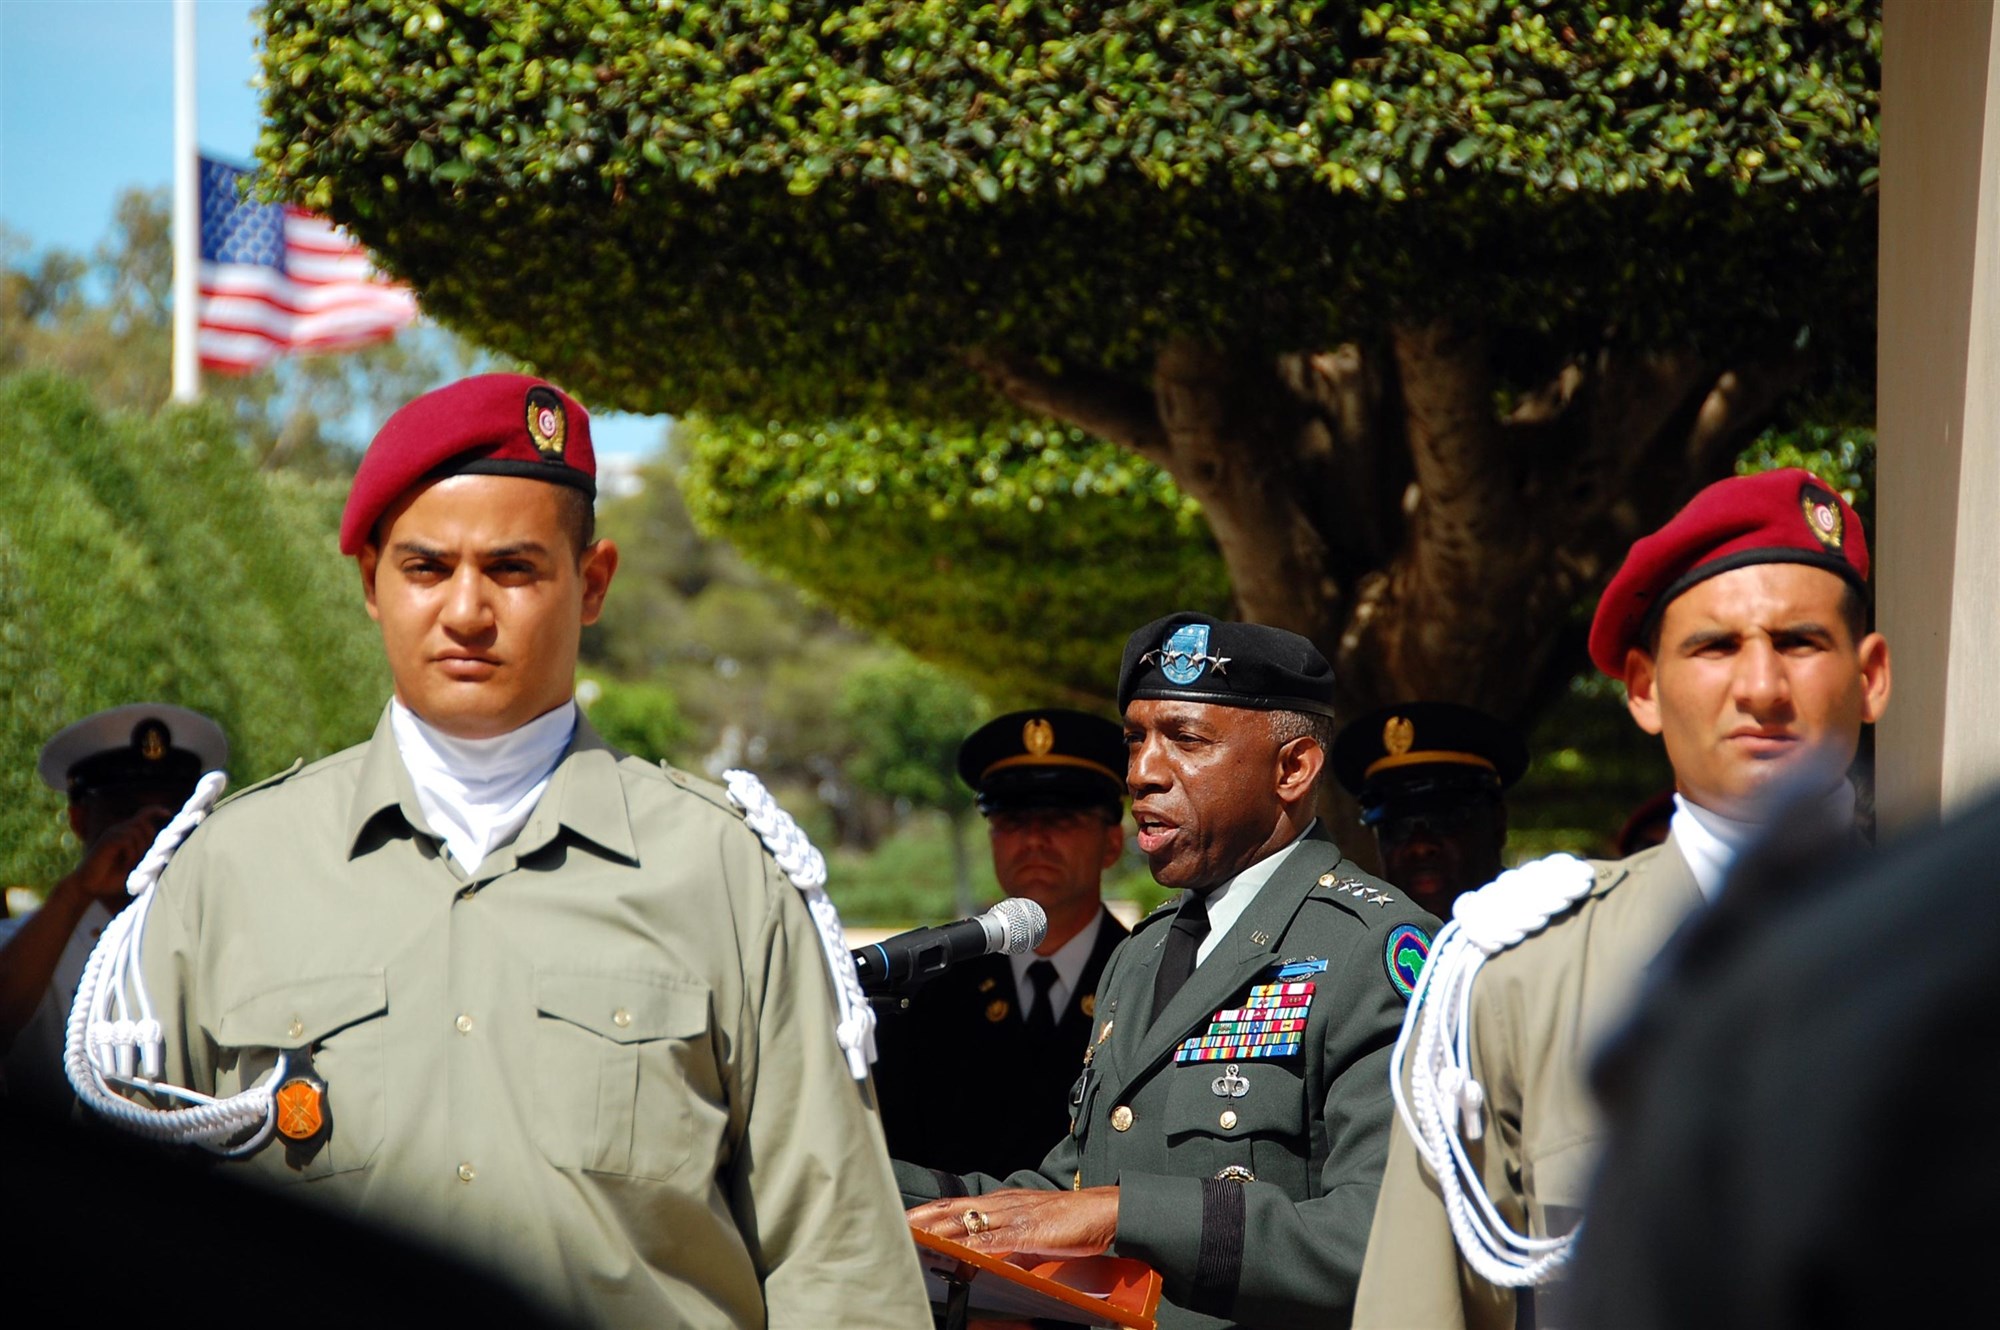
(476, 793)
(1710, 842)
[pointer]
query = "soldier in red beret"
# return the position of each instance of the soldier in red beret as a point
(1740, 631)
(554, 1008)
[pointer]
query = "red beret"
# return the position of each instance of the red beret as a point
(489, 424)
(1784, 516)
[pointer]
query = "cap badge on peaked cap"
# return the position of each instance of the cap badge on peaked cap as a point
(1183, 657)
(1038, 736)
(1822, 514)
(1398, 733)
(548, 427)
(152, 740)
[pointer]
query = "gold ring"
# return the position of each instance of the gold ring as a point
(974, 1222)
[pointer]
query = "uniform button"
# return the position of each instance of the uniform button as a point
(621, 1018)
(1121, 1118)
(467, 1172)
(296, 1029)
(464, 1023)
(1229, 1119)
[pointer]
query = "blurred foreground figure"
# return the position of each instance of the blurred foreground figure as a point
(1739, 629)
(125, 772)
(1802, 1111)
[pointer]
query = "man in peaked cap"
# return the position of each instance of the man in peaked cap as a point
(125, 772)
(551, 1007)
(1740, 631)
(1229, 1122)
(1430, 778)
(975, 1070)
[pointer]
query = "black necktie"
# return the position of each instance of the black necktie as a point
(1042, 1016)
(1177, 954)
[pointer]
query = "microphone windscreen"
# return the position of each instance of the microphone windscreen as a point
(1023, 925)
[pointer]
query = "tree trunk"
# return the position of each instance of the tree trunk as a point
(1379, 500)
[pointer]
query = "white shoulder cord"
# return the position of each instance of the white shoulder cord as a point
(806, 867)
(1444, 1101)
(114, 1043)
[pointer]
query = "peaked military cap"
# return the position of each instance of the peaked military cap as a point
(1051, 758)
(144, 743)
(1190, 657)
(1415, 749)
(1783, 516)
(489, 424)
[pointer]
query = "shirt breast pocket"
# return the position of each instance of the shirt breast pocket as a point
(1242, 1120)
(626, 1075)
(342, 1020)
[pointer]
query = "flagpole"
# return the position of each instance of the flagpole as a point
(187, 210)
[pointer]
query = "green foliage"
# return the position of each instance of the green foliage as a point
(801, 211)
(947, 543)
(149, 560)
(906, 721)
(641, 718)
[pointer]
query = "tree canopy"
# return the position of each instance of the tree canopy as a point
(796, 211)
(146, 559)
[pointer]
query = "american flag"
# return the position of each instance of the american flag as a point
(276, 279)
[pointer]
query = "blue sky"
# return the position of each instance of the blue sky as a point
(86, 112)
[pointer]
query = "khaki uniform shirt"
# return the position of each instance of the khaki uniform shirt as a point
(603, 1064)
(1540, 1010)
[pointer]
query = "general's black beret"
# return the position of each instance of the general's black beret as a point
(1051, 758)
(1190, 657)
(1414, 749)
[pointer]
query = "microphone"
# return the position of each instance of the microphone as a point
(1013, 927)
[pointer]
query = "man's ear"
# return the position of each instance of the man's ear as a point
(1642, 690)
(1114, 842)
(366, 561)
(1874, 654)
(1300, 762)
(600, 561)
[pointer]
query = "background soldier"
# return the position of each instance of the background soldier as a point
(1232, 1112)
(125, 771)
(1739, 629)
(974, 1074)
(1430, 778)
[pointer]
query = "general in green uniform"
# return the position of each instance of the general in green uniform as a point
(1739, 630)
(545, 1004)
(1233, 1139)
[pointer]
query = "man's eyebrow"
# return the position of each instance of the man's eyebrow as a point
(417, 548)
(1709, 637)
(1805, 628)
(519, 547)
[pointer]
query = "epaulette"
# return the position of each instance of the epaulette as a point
(1346, 885)
(298, 765)
(708, 791)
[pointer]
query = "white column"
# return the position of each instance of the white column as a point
(1938, 407)
(187, 210)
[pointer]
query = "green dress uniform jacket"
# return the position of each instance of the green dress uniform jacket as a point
(1540, 1010)
(1253, 1208)
(603, 1064)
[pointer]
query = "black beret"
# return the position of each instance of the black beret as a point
(1413, 749)
(1190, 657)
(1044, 759)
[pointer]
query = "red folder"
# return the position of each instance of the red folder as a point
(1089, 1290)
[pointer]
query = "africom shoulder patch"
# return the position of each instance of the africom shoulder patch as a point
(1404, 956)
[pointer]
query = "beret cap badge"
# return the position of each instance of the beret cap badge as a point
(548, 427)
(1822, 515)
